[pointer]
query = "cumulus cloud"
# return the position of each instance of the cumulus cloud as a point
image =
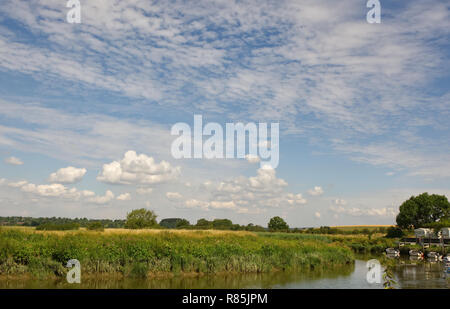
(316, 191)
(295, 199)
(193, 203)
(17, 184)
(340, 202)
(124, 197)
(144, 191)
(57, 190)
(358, 212)
(246, 194)
(137, 169)
(68, 174)
(174, 196)
(102, 199)
(13, 161)
(252, 158)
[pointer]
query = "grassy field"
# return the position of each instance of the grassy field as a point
(359, 227)
(24, 251)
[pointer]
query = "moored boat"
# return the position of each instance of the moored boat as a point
(392, 252)
(434, 255)
(416, 253)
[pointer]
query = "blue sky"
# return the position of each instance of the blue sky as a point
(363, 108)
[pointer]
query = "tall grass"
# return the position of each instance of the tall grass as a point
(147, 253)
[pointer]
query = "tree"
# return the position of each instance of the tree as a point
(277, 224)
(394, 232)
(183, 223)
(423, 209)
(222, 224)
(204, 224)
(140, 219)
(95, 226)
(172, 223)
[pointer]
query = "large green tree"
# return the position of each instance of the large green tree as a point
(141, 219)
(422, 210)
(277, 224)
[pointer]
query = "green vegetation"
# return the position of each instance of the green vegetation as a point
(143, 253)
(172, 223)
(422, 210)
(58, 227)
(277, 224)
(347, 230)
(95, 226)
(394, 232)
(437, 226)
(83, 222)
(141, 219)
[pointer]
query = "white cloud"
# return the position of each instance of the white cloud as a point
(68, 174)
(193, 203)
(137, 169)
(173, 196)
(102, 199)
(316, 191)
(124, 197)
(13, 161)
(244, 195)
(340, 202)
(358, 212)
(144, 191)
(252, 158)
(296, 199)
(17, 184)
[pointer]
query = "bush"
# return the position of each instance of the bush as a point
(95, 226)
(277, 224)
(141, 219)
(394, 232)
(58, 227)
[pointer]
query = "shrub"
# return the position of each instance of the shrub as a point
(95, 226)
(394, 232)
(58, 227)
(141, 219)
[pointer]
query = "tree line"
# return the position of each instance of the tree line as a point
(424, 210)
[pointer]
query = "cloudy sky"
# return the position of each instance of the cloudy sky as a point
(86, 109)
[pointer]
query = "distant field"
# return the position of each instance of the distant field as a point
(191, 233)
(359, 227)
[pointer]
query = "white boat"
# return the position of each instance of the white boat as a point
(392, 252)
(416, 253)
(434, 255)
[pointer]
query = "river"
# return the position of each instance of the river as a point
(409, 274)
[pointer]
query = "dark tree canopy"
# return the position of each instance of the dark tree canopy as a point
(421, 210)
(140, 219)
(277, 224)
(172, 223)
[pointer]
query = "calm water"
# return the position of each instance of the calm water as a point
(409, 274)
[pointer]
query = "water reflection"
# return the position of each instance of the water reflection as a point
(409, 274)
(419, 274)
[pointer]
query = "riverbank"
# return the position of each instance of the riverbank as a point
(145, 253)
